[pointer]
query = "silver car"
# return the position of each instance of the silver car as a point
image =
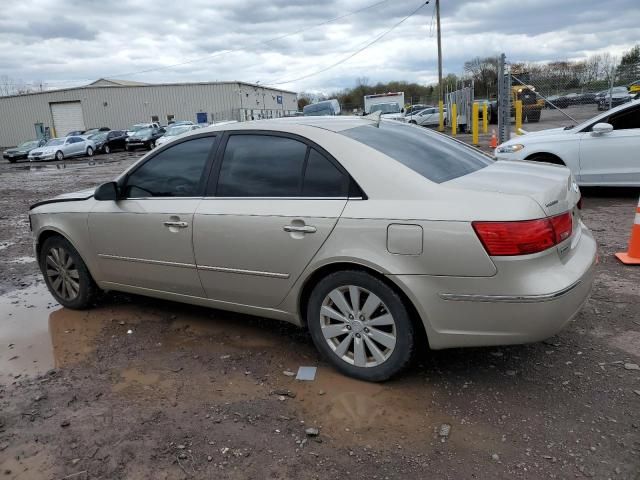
(370, 234)
(64, 147)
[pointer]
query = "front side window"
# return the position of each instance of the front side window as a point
(625, 120)
(174, 172)
(432, 155)
(261, 166)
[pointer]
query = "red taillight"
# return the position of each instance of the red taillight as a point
(523, 237)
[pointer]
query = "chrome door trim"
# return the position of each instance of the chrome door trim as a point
(300, 228)
(460, 297)
(146, 260)
(244, 272)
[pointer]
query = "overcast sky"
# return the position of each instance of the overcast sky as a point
(59, 41)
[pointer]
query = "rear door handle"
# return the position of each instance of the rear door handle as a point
(300, 228)
(176, 224)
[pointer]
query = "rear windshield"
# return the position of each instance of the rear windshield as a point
(433, 156)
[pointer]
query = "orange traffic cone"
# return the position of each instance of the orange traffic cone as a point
(493, 143)
(632, 257)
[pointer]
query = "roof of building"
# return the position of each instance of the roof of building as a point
(106, 82)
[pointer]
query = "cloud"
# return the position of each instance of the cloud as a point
(86, 39)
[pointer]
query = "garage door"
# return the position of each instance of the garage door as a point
(67, 117)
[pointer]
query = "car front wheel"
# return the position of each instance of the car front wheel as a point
(107, 150)
(66, 274)
(360, 325)
(89, 152)
(59, 155)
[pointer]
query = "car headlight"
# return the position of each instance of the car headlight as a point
(516, 147)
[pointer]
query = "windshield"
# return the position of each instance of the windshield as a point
(432, 155)
(177, 130)
(28, 145)
(98, 136)
(139, 126)
(386, 108)
(55, 141)
(619, 90)
(141, 132)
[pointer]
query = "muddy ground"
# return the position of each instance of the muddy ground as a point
(143, 389)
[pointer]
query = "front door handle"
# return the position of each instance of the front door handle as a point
(300, 228)
(176, 224)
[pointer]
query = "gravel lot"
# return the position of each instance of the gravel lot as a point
(196, 393)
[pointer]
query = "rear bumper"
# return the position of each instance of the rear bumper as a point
(527, 301)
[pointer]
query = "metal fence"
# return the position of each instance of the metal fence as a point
(560, 94)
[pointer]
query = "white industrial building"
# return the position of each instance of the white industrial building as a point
(118, 104)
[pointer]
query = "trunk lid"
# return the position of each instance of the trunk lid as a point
(551, 186)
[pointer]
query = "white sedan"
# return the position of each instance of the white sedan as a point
(602, 151)
(61, 148)
(429, 117)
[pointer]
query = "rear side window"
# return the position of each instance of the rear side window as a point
(261, 166)
(322, 178)
(433, 156)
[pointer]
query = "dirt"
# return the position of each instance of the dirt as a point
(138, 388)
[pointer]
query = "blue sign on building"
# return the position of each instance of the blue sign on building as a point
(201, 117)
(279, 99)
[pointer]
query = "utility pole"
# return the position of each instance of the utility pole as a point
(440, 97)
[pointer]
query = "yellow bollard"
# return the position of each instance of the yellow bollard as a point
(454, 119)
(441, 110)
(518, 116)
(485, 118)
(474, 123)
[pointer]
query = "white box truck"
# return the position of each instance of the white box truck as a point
(390, 105)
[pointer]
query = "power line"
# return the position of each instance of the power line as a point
(350, 56)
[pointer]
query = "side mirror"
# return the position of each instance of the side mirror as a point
(601, 128)
(106, 191)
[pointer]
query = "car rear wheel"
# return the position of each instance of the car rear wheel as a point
(12, 160)
(89, 152)
(360, 325)
(66, 274)
(152, 145)
(59, 155)
(107, 149)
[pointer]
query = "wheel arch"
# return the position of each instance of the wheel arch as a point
(51, 231)
(321, 272)
(549, 158)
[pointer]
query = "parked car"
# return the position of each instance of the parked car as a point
(429, 117)
(585, 98)
(416, 108)
(373, 235)
(180, 122)
(75, 133)
(106, 142)
(141, 126)
(603, 151)
(21, 152)
(617, 96)
(144, 138)
(93, 131)
(325, 107)
(64, 147)
(634, 87)
(174, 131)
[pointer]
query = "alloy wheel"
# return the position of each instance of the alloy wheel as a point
(89, 151)
(358, 326)
(62, 273)
(107, 149)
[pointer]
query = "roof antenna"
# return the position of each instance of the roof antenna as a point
(375, 117)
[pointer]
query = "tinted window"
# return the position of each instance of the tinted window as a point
(174, 172)
(432, 155)
(629, 118)
(261, 166)
(323, 179)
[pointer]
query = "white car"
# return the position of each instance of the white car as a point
(174, 131)
(429, 117)
(602, 151)
(64, 147)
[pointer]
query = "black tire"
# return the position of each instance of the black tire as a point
(413, 122)
(404, 330)
(89, 152)
(546, 159)
(126, 148)
(534, 117)
(59, 156)
(152, 145)
(87, 291)
(12, 160)
(106, 149)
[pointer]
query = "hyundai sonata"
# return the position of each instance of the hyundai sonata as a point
(370, 234)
